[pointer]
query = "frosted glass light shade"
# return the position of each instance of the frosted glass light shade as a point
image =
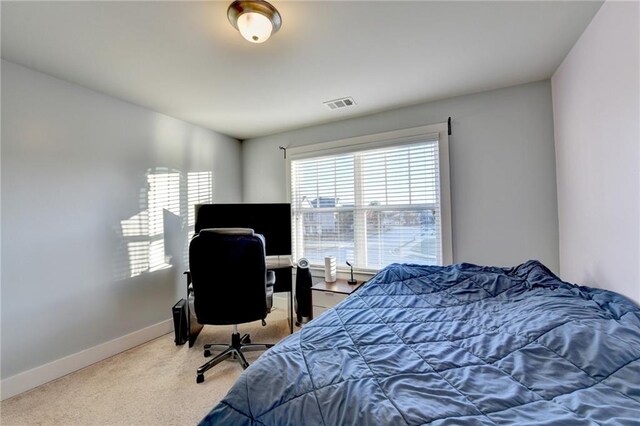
(254, 27)
(256, 20)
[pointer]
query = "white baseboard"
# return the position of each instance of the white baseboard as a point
(30, 379)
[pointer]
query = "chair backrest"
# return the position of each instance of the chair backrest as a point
(229, 276)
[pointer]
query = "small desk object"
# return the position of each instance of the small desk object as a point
(282, 267)
(326, 295)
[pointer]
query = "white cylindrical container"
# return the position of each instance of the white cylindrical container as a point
(330, 269)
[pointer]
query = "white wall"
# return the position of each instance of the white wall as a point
(73, 167)
(596, 107)
(502, 160)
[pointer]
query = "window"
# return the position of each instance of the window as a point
(373, 200)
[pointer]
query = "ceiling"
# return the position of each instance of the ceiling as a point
(185, 60)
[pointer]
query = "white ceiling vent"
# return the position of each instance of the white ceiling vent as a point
(340, 103)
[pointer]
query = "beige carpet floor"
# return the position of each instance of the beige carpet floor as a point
(151, 384)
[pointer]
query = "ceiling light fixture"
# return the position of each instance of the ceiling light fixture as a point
(255, 19)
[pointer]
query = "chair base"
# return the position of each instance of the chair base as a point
(238, 345)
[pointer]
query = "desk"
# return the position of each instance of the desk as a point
(326, 295)
(282, 267)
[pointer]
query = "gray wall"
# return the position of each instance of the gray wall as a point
(504, 208)
(596, 106)
(73, 167)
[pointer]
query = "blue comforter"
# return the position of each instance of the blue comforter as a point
(462, 344)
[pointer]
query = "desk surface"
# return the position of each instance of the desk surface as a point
(275, 262)
(339, 286)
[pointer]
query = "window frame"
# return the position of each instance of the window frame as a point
(384, 140)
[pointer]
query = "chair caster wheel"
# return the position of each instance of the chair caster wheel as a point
(207, 353)
(200, 378)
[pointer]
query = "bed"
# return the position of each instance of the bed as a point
(463, 344)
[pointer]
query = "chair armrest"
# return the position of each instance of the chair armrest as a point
(271, 278)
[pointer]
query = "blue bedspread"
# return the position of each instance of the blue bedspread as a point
(463, 344)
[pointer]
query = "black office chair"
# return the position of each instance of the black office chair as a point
(231, 285)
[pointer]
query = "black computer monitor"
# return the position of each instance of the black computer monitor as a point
(272, 220)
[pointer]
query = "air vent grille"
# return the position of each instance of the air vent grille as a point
(340, 103)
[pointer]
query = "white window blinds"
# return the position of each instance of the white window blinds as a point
(374, 207)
